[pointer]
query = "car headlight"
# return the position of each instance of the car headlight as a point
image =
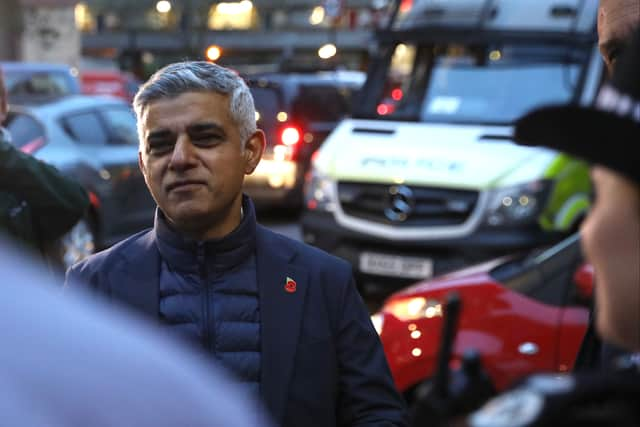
(319, 192)
(378, 321)
(414, 308)
(517, 205)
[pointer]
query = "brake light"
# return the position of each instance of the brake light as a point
(290, 136)
(94, 200)
(396, 94)
(33, 146)
(384, 109)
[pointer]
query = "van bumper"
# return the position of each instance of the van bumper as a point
(321, 230)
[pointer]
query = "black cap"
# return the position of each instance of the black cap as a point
(605, 133)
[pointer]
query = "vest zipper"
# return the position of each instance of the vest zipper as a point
(206, 330)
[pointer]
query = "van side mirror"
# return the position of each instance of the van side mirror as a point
(583, 279)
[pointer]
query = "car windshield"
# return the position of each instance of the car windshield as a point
(543, 273)
(322, 103)
(459, 84)
(24, 129)
(45, 83)
(268, 104)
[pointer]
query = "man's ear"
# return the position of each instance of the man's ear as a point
(253, 150)
(141, 163)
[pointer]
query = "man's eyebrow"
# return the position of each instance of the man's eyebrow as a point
(159, 134)
(204, 127)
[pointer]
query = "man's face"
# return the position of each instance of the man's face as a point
(617, 20)
(611, 241)
(194, 163)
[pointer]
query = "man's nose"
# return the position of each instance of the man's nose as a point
(183, 156)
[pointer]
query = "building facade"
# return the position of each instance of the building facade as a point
(247, 34)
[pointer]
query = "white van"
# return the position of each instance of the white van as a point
(425, 178)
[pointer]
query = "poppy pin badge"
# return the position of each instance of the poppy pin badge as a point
(290, 285)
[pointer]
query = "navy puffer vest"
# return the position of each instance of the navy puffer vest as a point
(209, 293)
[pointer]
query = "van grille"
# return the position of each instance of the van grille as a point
(406, 205)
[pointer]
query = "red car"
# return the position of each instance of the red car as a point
(109, 82)
(523, 314)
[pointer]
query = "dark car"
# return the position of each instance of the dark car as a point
(93, 140)
(34, 80)
(523, 314)
(296, 111)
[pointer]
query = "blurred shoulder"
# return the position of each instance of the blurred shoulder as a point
(108, 257)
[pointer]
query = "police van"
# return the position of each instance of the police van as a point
(425, 178)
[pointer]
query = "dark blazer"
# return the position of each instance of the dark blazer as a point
(322, 361)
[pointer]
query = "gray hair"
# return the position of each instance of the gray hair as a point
(200, 76)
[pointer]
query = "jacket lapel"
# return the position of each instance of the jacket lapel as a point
(136, 280)
(281, 310)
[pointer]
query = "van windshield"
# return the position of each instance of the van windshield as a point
(492, 85)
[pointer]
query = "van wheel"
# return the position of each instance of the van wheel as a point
(78, 243)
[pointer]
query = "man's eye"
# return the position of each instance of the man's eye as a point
(613, 55)
(205, 138)
(160, 146)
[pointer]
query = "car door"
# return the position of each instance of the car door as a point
(107, 137)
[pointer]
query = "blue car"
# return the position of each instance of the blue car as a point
(33, 80)
(93, 140)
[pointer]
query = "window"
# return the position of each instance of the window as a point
(232, 15)
(322, 103)
(24, 129)
(85, 128)
(51, 83)
(122, 125)
(268, 105)
(449, 83)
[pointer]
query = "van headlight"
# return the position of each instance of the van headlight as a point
(517, 205)
(319, 192)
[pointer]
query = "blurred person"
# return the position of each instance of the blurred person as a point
(283, 316)
(617, 20)
(69, 362)
(603, 135)
(38, 204)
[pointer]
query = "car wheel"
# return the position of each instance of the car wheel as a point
(78, 243)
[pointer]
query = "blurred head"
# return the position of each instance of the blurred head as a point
(605, 135)
(611, 242)
(198, 139)
(617, 19)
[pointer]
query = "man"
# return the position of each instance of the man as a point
(68, 362)
(284, 317)
(38, 205)
(603, 135)
(617, 19)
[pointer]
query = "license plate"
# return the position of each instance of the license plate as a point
(396, 266)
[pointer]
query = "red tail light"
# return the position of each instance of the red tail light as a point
(384, 109)
(290, 136)
(33, 146)
(287, 147)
